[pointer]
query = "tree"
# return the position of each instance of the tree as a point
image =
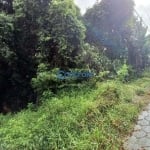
(106, 22)
(20, 23)
(135, 43)
(7, 57)
(53, 30)
(62, 35)
(146, 51)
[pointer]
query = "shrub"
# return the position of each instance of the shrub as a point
(48, 82)
(45, 80)
(122, 73)
(95, 60)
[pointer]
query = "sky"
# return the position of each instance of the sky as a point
(142, 7)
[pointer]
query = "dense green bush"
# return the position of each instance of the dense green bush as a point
(45, 80)
(122, 73)
(94, 59)
(48, 80)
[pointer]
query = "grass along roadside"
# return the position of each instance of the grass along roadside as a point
(81, 119)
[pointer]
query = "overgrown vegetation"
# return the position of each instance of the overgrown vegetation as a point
(40, 38)
(109, 41)
(91, 118)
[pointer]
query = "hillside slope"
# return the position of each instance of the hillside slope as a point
(87, 118)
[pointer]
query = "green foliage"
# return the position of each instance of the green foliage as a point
(6, 35)
(52, 32)
(45, 80)
(146, 72)
(38, 38)
(101, 76)
(104, 75)
(114, 29)
(62, 35)
(146, 50)
(123, 73)
(34, 32)
(74, 119)
(94, 59)
(107, 22)
(140, 92)
(136, 44)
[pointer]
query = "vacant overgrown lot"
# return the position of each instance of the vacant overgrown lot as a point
(83, 118)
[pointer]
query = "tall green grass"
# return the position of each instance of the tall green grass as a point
(87, 118)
